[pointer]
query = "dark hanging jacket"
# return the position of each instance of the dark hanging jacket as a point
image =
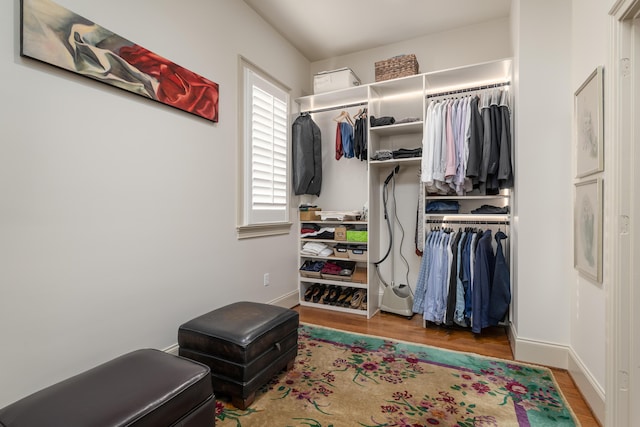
(307, 156)
(483, 270)
(501, 288)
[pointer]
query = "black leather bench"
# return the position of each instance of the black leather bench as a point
(144, 388)
(245, 344)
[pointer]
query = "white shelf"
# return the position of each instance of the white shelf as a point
(333, 282)
(398, 129)
(496, 196)
(334, 308)
(334, 221)
(331, 258)
(411, 160)
(469, 216)
(332, 241)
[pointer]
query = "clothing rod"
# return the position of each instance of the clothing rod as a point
(469, 89)
(338, 107)
(462, 221)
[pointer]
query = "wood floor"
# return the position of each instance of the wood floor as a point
(492, 342)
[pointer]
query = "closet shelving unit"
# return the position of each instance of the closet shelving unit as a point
(400, 98)
(358, 279)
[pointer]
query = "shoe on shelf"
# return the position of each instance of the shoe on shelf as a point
(325, 295)
(347, 300)
(317, 294)
(334, 293)
(343, 295)
(308, 294)
(356, 300)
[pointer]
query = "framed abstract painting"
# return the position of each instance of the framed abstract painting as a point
(589, 125)
(587, 233)
(54, 35)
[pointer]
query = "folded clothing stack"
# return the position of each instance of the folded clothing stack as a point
(407, 153)
(321, 233)
(316, 249)
(381, 121)
(443, 206)
(382, 155)
(489, 209)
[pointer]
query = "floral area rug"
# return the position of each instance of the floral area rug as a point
(343, 379)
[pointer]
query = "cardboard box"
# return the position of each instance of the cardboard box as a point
(340, 251)
(327, 81)
(348, 265)
(340, 233)
(307, 273)
(310, 214)
(358, 253)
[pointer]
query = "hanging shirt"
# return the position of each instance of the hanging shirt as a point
(425, 264)
(505, 169)
(347, 139)
(476, 141)
(428, 139)
(338, 142)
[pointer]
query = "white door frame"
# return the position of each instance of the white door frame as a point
(623, 372)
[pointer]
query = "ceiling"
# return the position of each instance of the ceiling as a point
(322, 29)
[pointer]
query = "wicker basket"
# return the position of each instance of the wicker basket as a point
(398, 66)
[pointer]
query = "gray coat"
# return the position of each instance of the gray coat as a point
(307, 156)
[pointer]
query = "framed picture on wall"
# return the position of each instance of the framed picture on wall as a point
(589, 117)
(587, 234)
(57, 36)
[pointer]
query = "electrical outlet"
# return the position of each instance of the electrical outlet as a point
(266, 279)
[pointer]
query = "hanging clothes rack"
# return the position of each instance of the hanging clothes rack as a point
(462, 221)
(337, 107)
(469, 89)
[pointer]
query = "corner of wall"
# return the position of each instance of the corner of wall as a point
(562, 357)
(592, 393)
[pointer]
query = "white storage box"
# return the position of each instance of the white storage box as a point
(326, 81)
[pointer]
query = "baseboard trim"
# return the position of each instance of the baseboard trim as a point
(593, 393)
(289, 300)
(173, 349)
(562, 357)
(541, 353)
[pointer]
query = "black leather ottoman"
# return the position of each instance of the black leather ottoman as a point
(245, 344)
(144, 388)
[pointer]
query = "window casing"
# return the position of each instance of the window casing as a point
(264, 155)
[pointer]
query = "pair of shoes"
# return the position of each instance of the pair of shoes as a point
(356, 300)
(363, 304)
(349, 298)
(334, 293)
(318, 293)
(345, 293)
(308, 294)
(324, 297)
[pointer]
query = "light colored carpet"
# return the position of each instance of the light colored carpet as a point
(344, 379)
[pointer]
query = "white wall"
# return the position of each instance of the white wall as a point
(463, 46)
(543, 172)
(590, 37)
(555, 307)
(117, 214)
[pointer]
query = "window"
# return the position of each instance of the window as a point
(264, 155)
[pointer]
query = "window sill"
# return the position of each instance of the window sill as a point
(262, 230)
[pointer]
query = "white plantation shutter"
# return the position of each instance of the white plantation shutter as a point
(269, 151)
(266, 145)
